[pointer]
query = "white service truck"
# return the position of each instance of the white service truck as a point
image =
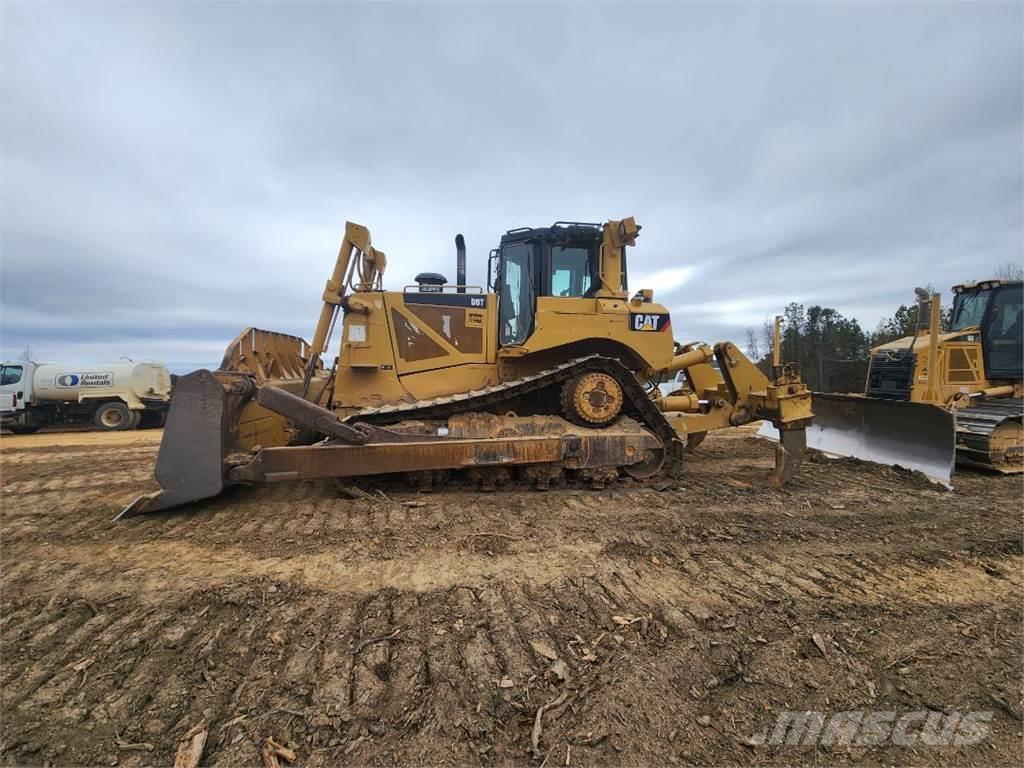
(110, 396)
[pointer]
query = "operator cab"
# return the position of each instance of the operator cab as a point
(561, 261)
(997, 308)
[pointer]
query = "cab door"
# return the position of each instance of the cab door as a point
(12, 389)
(1003, 333)
(517, 294)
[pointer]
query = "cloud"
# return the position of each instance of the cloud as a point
(172, 173)
(666, 280)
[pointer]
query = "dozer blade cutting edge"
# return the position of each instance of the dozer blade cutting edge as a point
(914, 436)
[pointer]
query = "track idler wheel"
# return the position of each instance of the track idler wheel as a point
(592, 399)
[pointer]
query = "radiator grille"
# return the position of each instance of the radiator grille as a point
(890, 376)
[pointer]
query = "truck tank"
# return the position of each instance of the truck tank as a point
(72, 383)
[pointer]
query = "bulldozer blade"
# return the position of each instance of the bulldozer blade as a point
(190, 464)
(915, 436)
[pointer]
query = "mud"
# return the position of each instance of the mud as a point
(417, 628)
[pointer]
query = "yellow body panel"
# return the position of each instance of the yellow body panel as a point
(463, 378)
(259, 427)
(398, 350)
(562, 321)
(960, 363)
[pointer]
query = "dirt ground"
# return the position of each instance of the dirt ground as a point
(417, 629)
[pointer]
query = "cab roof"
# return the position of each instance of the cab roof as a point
(560, 231)
(984, 285)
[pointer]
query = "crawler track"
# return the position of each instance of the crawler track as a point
(988, 435)
(502, 397)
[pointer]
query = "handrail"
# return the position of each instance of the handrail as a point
(415, 288)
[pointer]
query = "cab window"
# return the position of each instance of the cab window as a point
(1007, 313)
(516, 296)
(1004, 336)
(968, 309)
(10, 374)
(571, 273)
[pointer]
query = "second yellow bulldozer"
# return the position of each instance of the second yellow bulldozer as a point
(550, 373)
(939, 398)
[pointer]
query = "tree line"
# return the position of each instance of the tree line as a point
(832, 350)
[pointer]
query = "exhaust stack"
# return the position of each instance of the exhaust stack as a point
(460, 263)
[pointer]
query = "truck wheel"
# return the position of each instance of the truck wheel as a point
(110, 416)
(24, 430)
(135, 418)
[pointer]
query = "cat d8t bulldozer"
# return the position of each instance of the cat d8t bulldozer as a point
(549, 376)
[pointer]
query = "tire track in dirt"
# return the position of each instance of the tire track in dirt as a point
(170, 565)
(124, 478)
(394, 661)
(371, 632)
(45, 459)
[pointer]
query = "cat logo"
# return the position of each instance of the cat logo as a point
(639, 321)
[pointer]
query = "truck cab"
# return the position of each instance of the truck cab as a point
(15, 385)
(17, 398)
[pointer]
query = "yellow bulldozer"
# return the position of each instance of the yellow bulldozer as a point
(968, 413)
(548, 376)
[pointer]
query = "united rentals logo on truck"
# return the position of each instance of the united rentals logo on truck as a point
(67, 380)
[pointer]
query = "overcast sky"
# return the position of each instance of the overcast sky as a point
(173, 172)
